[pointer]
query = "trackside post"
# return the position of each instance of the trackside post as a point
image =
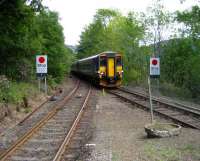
(154, 72)
(41, 70)
(150, 99)
(103, 91)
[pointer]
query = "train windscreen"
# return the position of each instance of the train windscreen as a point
(118, 61)
(103, 61)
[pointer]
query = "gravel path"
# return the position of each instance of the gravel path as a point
(119, 136)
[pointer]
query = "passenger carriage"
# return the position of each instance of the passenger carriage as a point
(105, 69)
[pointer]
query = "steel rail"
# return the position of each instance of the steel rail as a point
(36, 109)
(159, 111)
(71, 132)
(38, 125)
(177, 105)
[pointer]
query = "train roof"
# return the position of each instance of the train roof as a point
(94, 56)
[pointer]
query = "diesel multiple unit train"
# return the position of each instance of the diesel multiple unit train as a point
(104, 69)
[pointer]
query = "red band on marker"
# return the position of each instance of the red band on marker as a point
(154, 62)
(41, 59)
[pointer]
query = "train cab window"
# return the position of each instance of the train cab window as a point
(102, 61)
(118, 61)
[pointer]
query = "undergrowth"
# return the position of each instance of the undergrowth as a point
(14, 92)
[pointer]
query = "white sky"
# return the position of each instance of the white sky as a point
(76, 14)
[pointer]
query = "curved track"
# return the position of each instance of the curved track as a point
(164, 101)
(185, 115)
(43, 140)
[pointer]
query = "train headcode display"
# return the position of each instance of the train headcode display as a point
(154, 67)
(41, 64)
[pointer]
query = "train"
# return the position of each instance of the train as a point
(104, 69)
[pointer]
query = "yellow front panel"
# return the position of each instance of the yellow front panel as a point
(111, 67)
(119, 68)
(102, 69)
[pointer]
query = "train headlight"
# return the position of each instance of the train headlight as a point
(101, 74)
(120, 73)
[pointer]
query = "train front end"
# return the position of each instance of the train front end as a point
(110, 69)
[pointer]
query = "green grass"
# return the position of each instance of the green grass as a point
(173, 91)
(162, 127)
(192, 150)
(156, 152)
(27, 110)
(115, 156)
(159, 153)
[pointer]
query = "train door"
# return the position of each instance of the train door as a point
(102, 66)
(111, 67)
(119, 68)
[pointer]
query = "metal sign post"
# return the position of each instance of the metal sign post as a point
(39, 84)
(150, 99)
(45, 85)
(41, 70)
(154, 73)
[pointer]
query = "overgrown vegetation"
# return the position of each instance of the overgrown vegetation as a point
(181, 56)
(14, 92)
(27, 28)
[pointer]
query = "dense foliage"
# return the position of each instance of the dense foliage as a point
(111, 31)
(181, 56)
(27, 29)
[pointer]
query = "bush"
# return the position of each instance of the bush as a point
(14, 92)
(52, 82)
(171, 90)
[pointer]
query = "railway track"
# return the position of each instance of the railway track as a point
(185, 115)
(11, 135)
(164, 100)
(43, 140)
(76, 148)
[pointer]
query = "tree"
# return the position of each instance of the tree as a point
(125, 33)
(36, 5)
(156, 22)
(94, 38)
(191, 19)
(181, 64)
(181, 56)
(52, 40)
(16, 20)
(26, 28)
(110, 31)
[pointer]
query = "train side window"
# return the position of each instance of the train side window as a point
(96, 62)
(119, 61)
(103, 61)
